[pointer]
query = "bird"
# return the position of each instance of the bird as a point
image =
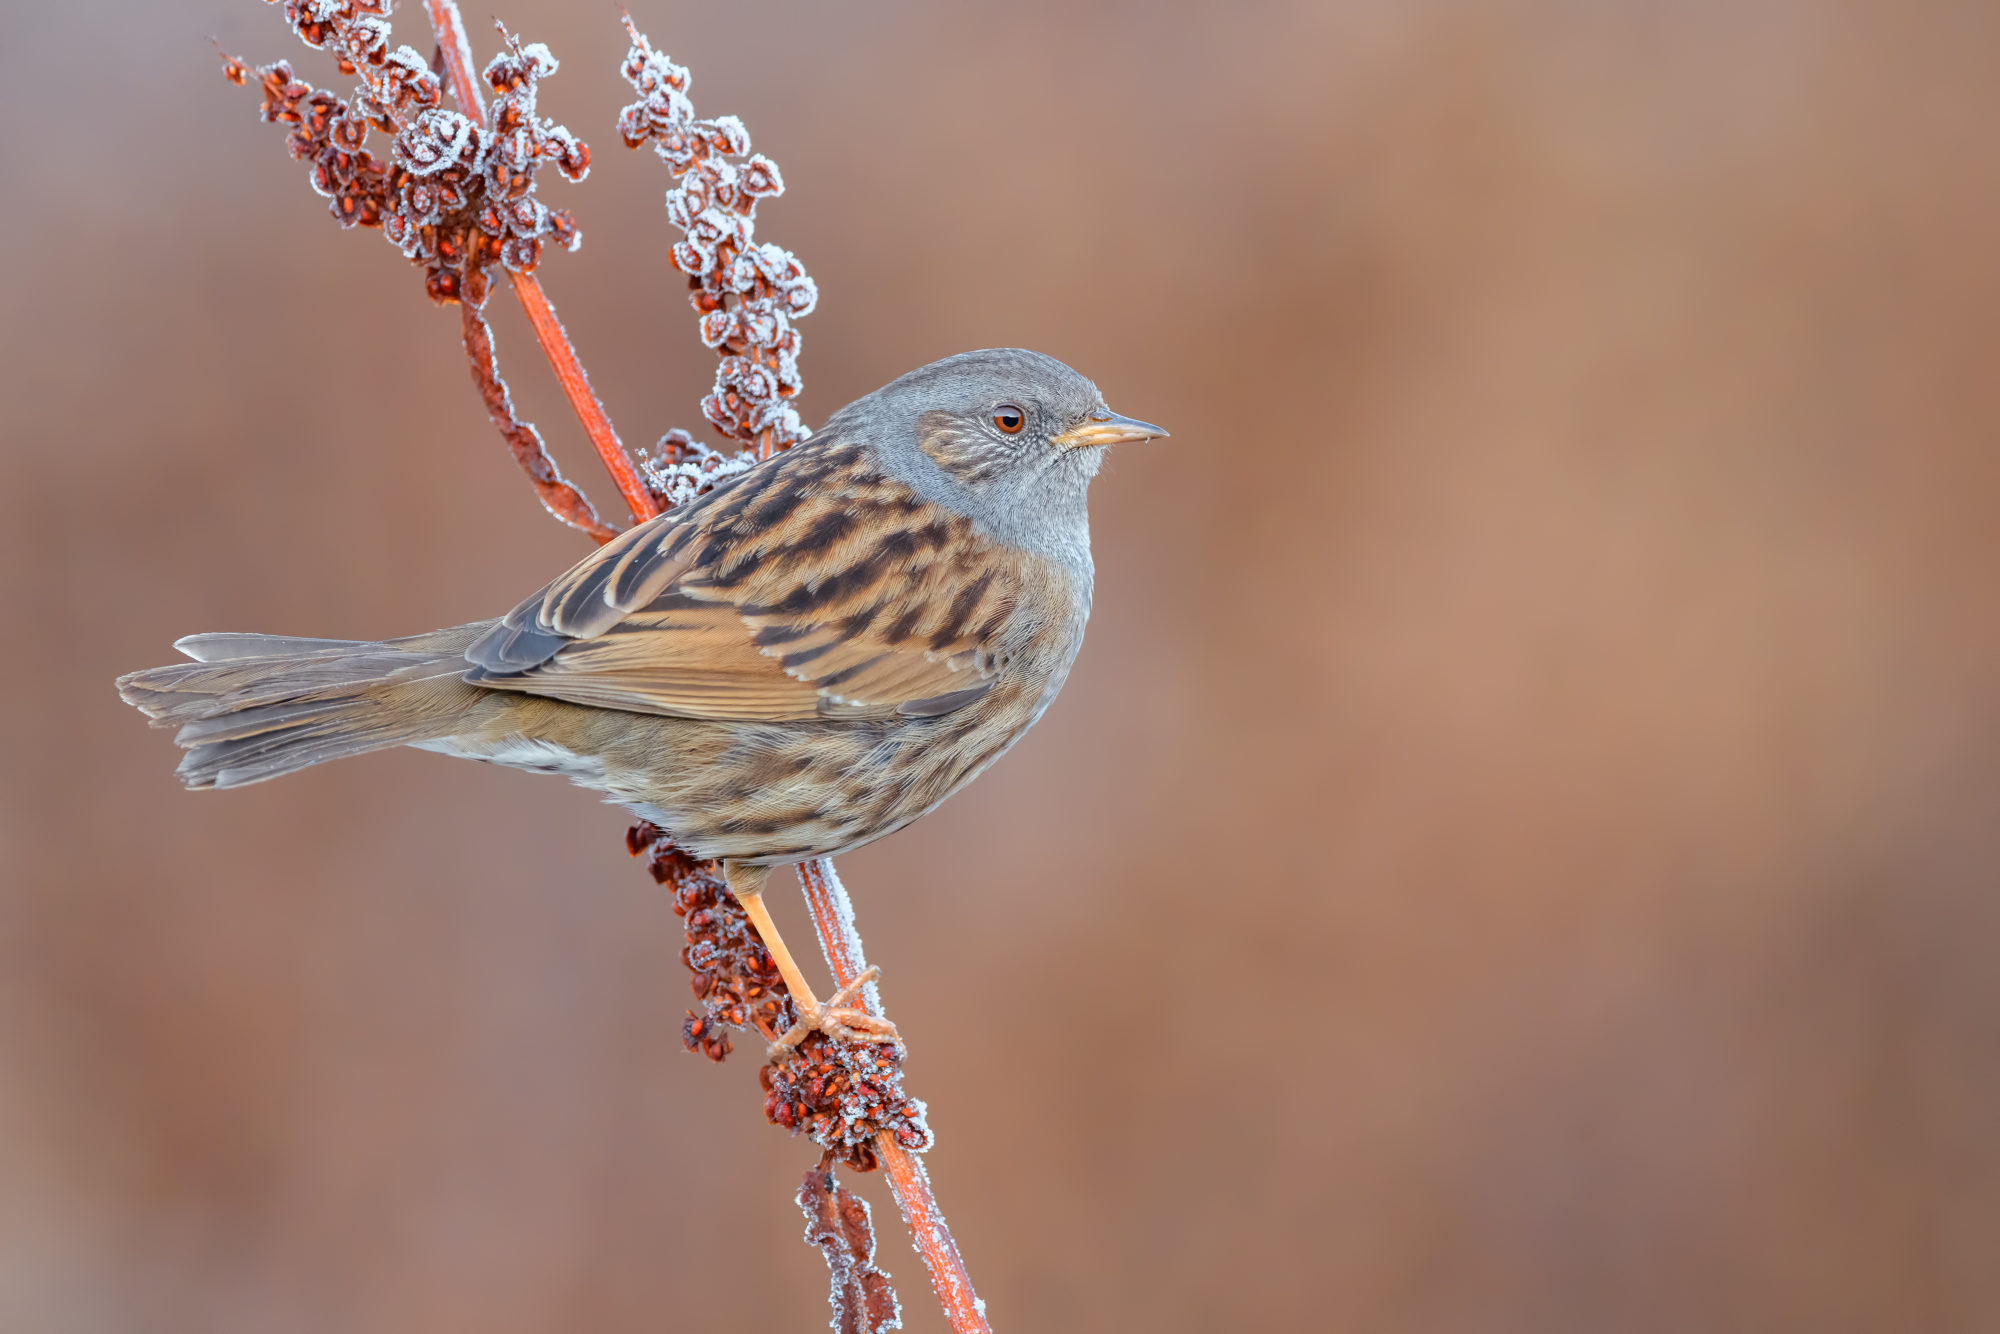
(805, 659)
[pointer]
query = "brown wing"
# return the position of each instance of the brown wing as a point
(811, 587)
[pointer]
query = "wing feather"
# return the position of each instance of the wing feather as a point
(812, 586)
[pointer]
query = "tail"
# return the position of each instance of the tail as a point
(252, 707)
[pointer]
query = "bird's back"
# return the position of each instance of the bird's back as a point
(879, 650)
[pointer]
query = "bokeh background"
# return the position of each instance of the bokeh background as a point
(1518, 852)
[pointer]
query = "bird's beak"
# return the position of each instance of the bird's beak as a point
(1107, 429)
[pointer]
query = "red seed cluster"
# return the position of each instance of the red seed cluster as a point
(735, 979)
(843, 1094)
(396, 84)
(458, 196)
(357, 30)
(327, 134)
(747, 294)
(682, 468)
(469, 200)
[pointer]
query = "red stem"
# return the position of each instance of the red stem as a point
(549, 333)
(833, 919)
(558, 496)
(832, 913)
(576, 386)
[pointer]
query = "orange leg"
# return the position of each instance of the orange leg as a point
(836, 1018)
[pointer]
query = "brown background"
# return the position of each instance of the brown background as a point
(1517, 853)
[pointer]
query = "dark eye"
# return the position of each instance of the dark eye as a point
(1009, 418)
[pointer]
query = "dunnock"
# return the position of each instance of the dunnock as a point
(803, 660)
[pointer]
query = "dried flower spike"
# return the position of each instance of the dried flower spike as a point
(747, 294)
(469, 201)
(327, 134)
(459, 194)
(734, 977)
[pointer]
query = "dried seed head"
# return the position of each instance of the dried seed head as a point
(746, 293)
(458, 195)
(843, 1094)
(735, 978)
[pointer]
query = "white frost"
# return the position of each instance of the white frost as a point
(850, 935)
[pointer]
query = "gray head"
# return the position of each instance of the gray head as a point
(1005, 435)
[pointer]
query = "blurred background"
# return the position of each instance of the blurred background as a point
(1517, 852)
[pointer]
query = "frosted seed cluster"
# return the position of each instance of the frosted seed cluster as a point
(734, 976)
(685, 468)
(747, 293)
(841, 1094)
(458, 195)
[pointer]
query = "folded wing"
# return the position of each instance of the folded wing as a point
(810, 587)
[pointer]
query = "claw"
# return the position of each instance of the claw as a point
(855, 1026)
(838, 1019)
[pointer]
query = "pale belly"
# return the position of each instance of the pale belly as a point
(778, 794)
(766, 793)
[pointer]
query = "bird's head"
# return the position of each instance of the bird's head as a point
(1002, 430)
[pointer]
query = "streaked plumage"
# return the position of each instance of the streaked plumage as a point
(804, 660)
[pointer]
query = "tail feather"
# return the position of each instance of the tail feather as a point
(217, 647)
(253, 707)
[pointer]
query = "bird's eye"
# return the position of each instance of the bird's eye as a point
(1009, 418)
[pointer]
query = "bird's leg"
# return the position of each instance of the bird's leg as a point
(835, 1019)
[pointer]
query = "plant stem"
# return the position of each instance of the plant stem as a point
(558, 496)
(576, 387)
(833, 919)
(832, 911)
(451, 40)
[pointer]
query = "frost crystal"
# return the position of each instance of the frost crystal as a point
(747, 294)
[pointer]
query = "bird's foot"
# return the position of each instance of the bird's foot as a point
(838, 1019)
